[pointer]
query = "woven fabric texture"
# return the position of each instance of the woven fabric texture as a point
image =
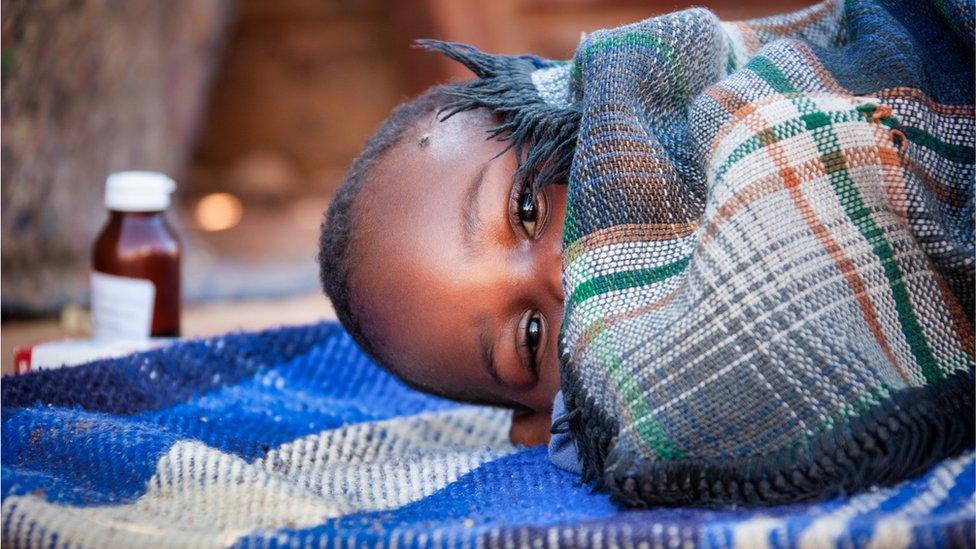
(769, 252)
(293, 438)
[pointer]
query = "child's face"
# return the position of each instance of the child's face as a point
(457, 286)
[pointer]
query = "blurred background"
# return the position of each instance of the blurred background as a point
(255, 107)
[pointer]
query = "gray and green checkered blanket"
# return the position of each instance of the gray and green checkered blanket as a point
(769, 260)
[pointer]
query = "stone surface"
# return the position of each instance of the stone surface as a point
(90, 87)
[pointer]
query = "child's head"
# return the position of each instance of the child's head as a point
(443, 265)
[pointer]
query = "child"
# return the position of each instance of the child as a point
(444, 261)
(767, 300)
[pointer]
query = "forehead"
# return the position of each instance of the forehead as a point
(409, 278)
(433, 148)
(420, 182)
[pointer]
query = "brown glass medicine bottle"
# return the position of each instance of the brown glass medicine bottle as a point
(135, 279)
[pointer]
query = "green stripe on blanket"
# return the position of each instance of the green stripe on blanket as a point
(847, 192)
(625, 280)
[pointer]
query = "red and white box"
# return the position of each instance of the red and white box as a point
(73, 352)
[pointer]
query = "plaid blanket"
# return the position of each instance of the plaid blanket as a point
(293, 438)
(769, 262)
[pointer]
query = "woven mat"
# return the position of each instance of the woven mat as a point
(292, 437)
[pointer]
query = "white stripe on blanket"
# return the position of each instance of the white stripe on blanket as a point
(203, 496)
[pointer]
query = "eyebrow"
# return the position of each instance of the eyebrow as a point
(487, 346)
(470, 217)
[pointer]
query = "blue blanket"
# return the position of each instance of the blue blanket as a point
(293, 437)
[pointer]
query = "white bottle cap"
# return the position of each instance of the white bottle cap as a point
(138, 191)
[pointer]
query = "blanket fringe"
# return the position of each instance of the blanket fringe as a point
(898, 438)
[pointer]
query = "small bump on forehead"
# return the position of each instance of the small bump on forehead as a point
(424, 140)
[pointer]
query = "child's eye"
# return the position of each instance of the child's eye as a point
(528, 208)
(527, 212)
(533, 333)
(531, 337)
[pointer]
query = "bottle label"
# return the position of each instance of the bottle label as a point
(122, 307)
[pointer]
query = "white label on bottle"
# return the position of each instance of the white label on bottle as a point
(122, 307)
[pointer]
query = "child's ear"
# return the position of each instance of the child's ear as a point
(530, 428)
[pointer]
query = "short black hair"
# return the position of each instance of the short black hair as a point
(339, 223)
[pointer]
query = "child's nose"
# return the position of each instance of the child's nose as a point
(551, 267)
(539, 270)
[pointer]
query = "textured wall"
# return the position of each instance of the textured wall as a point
(90, 87)
(302, 85)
